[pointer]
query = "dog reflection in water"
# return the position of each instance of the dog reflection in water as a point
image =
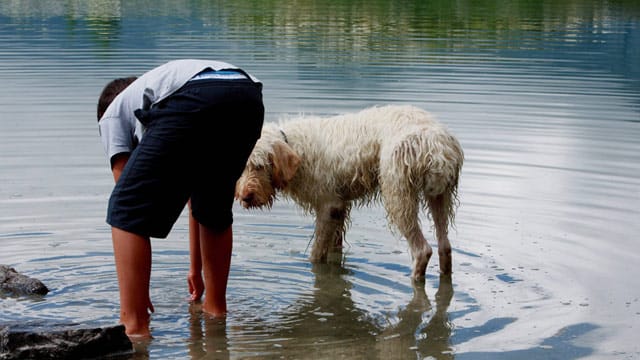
(398, 155)
(333, 324)
(328, 323)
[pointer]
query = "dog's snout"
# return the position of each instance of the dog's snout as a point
(248, 197)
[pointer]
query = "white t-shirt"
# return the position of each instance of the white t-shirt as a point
(120, 130)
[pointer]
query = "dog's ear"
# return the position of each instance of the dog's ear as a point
(285, 164)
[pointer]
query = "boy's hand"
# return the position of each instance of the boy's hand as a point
(196, 285)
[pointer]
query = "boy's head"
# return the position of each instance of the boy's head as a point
(110, 91)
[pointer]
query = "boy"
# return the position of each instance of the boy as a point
(181, 132)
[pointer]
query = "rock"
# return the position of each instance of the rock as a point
(13, 282)
(42, 341)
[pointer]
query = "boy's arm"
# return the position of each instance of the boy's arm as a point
(117, 164)
(194, 278)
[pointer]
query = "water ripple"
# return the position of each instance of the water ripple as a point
(542, 95)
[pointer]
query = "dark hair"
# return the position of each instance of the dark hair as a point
(110, 91)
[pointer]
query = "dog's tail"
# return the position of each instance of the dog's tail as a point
(432, 160)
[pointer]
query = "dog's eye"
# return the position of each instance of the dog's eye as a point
(258, 167)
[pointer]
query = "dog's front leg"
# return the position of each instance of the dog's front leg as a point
(331, 220)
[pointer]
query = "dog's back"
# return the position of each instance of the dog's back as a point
(349, 147)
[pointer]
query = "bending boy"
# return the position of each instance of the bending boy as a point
(182, 131)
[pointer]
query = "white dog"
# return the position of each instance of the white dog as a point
(396, 154)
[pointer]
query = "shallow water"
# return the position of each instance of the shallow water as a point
(544, 97)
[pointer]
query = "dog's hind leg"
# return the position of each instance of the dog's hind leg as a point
(440, 207)
(403, 208)
(331, 224)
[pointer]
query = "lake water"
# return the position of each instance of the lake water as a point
(543, 95)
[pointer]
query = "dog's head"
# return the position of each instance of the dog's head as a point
(270, 167)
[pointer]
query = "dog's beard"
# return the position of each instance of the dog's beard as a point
(259, 198)
(255, 204)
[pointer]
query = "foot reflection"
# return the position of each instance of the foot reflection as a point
(208, 335)
(421, 331)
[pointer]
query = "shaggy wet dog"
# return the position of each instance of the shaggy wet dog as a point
(398, 155)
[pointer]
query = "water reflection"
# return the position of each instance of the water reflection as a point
(421, 331)
(562, 345)
(208, 335)
(543, 95)
(330, 324)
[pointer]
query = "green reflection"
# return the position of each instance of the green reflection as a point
(368, 20)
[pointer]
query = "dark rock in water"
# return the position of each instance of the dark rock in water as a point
(13, 282)
(44, 341)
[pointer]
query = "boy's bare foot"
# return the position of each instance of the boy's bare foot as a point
(136, 327)
(214, 311)
(215, 314)
(140, 347)
(138, 334)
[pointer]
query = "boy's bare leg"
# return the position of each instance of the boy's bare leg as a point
(133, 264)
(194, 278)
(216, 249)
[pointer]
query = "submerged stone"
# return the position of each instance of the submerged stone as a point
(44, 341)
(15, 283)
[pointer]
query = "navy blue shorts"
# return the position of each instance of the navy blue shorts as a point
(196, 145)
